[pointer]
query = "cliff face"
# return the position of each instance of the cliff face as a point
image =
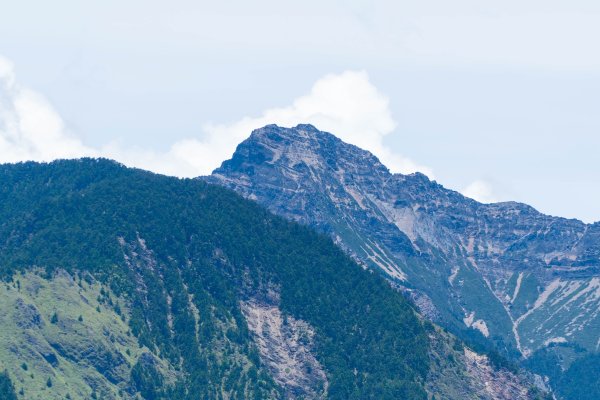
(524, 280)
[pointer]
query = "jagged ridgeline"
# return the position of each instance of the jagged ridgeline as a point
(500, 275)
(119, 283)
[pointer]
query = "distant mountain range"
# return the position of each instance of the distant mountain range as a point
(500, 275)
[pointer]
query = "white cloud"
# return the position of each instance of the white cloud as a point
(481, 191)
(30, 129)
(346, 104)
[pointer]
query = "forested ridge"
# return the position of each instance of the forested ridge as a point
(174, 248)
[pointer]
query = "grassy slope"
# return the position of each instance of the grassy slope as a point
(29, 341)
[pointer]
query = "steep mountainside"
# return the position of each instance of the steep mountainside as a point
(528, 282)
(122, 284)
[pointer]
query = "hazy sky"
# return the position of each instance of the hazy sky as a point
(499, 100)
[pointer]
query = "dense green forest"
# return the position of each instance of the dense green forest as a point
(580, 380)
(7, 391)
(175, 247)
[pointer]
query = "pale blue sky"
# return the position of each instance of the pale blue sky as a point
(506, 94)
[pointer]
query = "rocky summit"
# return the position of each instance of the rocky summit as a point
(499, 274)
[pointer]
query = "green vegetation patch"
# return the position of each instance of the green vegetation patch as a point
(180, 255)
(62, 336)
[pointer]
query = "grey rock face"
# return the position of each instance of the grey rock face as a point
(27, 315)
(457, 372)
(286, 346)
(522, 279)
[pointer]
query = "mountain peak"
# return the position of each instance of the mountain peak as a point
(300, 132)
(442, 246)
(297, 148)
(306, 127)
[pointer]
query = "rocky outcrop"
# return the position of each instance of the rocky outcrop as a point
(502, 271)
(27, 316)
(286, 346)
(459, 373)
(492, 383)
